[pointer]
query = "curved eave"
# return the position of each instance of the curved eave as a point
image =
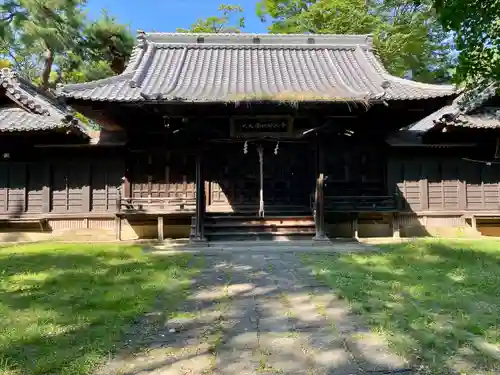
(122, 89)
(176, 68)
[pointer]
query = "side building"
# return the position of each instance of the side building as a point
(244, 136)
(446, 168)
(54, 174)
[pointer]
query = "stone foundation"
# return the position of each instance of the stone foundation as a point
(412, 226)
(104, 229)
(91, 229)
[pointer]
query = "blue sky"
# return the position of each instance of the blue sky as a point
(167, 15)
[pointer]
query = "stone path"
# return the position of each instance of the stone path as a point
(259, 314)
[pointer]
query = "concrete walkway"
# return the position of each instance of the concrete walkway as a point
(258, 313)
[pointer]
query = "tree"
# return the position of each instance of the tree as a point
(16, 54)
(107, 40)
(407, 36)
(410, 39)
(50, 25)
(337, 16)
(92, 50)
(477, 35)
(230, 20)
(102, 50)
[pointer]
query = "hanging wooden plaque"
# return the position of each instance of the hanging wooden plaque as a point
(261, 126)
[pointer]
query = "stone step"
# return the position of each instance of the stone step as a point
(256, 230)
(258, 236)
(257, 218)
(257, 224)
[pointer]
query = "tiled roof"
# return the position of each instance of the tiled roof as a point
(467, 110)
(485, 118)
(15, 119)
(32, 109)
(237, 67)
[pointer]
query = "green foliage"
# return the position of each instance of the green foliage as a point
(337, 17)
(477, 28)
(20, 57)
(229, 21)
(407, 36)
(106, 40)
(51, 26)
(409, 39)
(41, 35)
(4, 63)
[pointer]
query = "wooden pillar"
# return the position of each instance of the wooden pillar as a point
(118, 228)
(198, 235)
(160, 228)
(25, 187)
(319, 204)
(474, 222)
(424, 194)
(87, 188)
(126, 187)
(396, 232)
(46, 196)
(260, 150)
(355, 228)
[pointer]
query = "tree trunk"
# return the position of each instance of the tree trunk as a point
(47, 68)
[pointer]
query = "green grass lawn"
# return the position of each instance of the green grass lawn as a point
(65, 307)
(438, 302)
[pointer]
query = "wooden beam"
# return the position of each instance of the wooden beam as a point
(99, 116)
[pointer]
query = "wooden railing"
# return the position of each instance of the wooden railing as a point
(156, 205)
(337, 203)
(360, 203)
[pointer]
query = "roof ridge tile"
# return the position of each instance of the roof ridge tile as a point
(248, 38)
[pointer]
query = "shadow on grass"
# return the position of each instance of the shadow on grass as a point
(65, 307)
(438, 301)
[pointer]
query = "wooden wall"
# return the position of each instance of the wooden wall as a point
(59, 186)
(355, 169)
(88, 183)
(444, 183)
(162, 175)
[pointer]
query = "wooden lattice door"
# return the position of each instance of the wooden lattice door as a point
(162, 175)
(233, 178)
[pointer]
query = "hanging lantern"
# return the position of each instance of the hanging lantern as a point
(276, 148)
(245, 148)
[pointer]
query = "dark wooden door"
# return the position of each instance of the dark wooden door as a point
(288, 174)
(232, 177)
